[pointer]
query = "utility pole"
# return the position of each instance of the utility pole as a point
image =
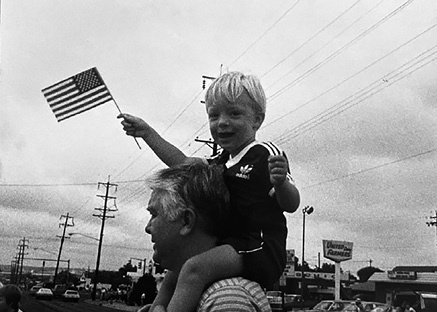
(210, 143)
(65, 225)
(17, 266)
(19, 261)
(102, 215)
(433, 223)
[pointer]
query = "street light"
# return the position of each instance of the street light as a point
(305, 211)
(86, 235)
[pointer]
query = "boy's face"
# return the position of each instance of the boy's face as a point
(233, 125)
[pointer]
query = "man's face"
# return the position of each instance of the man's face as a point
(165, 234)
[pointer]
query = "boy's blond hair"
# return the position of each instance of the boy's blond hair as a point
(230, 86)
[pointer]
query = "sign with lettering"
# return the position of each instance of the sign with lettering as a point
(319, 275)
(402, 275)
(337, 250)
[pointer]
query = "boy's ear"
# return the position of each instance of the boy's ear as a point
(188, 222)
(259, 119)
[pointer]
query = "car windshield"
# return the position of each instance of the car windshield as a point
(324, 305)
(351, 308)
(273, 293)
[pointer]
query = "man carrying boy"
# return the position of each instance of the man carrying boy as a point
(189, 206)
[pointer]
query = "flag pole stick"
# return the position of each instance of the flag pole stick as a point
(115, 102)
(119, 110)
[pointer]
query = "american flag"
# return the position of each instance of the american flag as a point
(77, 94)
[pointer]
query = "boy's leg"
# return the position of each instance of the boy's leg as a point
(199, 272)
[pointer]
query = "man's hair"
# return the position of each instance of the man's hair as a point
(12, 296)
(197, 186)
(230, 86)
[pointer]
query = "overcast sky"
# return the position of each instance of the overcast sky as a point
(351, 89)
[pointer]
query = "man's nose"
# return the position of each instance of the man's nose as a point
(147, 229)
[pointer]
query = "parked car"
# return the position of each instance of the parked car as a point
(44, 294)
(71, 295)
(384, 308)
(330, 305)
(280, 301)
(34, 289)
(420, 301)
(59, 290)
(367, 306)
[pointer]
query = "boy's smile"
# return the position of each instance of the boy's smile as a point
(233, 125)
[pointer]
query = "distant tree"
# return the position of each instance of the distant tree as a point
(365, 273)
(327, 268)
(66, 277)
(128, 267)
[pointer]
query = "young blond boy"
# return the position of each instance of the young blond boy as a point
(261, 189)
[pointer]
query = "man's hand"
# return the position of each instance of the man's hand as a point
(134, 126)
(278, 169)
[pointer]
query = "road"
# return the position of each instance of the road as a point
(30, 304)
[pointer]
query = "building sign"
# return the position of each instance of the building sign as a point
(402, 275)
(320, 275)
(337, 250)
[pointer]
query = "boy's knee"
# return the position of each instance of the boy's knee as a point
(193, 267)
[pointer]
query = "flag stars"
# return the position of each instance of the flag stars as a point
(88, 80)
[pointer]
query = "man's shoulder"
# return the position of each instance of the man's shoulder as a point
(234, 294)
(238, 282)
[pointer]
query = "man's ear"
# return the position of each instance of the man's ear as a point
(188, 222)
(259, 119)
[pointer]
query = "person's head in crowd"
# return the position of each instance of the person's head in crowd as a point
(10, 296)
(189, 206)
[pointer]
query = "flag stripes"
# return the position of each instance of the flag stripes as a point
(77, 94)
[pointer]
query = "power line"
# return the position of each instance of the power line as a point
(264, 33)
(339, 51)
(45, 184)
(353, 75)
(371, 168)
(311, 38)
(358, 97)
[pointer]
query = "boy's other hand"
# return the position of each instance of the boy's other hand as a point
(278, 169)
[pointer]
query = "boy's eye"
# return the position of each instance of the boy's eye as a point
(212, 116)
(235, 113)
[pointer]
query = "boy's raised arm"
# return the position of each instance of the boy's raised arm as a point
(167, 152)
